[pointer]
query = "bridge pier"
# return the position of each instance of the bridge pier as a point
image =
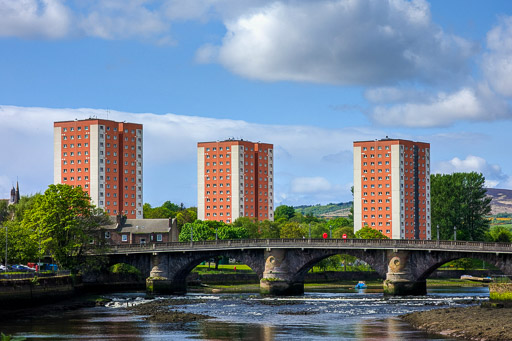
(400, 279)
(277, 278)
(159, 282)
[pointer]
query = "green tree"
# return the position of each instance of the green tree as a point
(232, 232)
(338, 233)
(340, 222)
(318, 230)
(284, 212)
(64, 222)
(332, 263)
(460, 200)
(293, 230)
(188, 215)
(201, 230)
(369, 233)
(499, 233)
(269, 229)
(4, 212)
(252, 226)
(172, 207)
(21, 247)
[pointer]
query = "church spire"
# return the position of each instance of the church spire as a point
(17, 200)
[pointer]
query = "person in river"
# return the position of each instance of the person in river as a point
(360, 285)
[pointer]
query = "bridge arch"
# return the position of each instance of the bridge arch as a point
(436, 259)
(171, 269)
(368, 257)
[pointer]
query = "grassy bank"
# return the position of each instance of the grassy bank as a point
(342, 285)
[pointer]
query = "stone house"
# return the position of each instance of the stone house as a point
(140, 231)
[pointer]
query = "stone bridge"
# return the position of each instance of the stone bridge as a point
(282, 264)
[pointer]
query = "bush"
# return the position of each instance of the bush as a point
(126, 269)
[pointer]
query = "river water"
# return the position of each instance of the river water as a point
(341, 315)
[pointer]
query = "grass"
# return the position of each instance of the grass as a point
(452, 282)
(223, 269)
(373, 286)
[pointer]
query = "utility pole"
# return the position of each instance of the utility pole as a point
(39, 254)
(6, 238)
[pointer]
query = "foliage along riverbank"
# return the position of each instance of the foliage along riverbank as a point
(471, 323)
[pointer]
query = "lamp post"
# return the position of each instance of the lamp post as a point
(438, 232)
(309, 231)
(330, 231)
(191, 234)
(6, 238)
(216, 234)
(39, 254)
(455, 233)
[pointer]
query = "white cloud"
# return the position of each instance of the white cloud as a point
(304, 185)
(494, 176)
(34, 19)
(121, 19)
(393, 95)
(443, 109)
(497, 63)
(342, 42)
(170, 143)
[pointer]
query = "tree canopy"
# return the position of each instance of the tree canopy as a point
(63, 222)
(460, 200)
(284, 212)
(369, 233)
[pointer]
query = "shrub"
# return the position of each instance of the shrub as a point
(126, 269)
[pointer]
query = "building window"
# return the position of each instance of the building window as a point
(107, 235)
(124, 238)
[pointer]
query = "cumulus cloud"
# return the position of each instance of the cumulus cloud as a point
(497, 62)
(487, 99)
(341, 42)
(494, 176)
(303, 189)
(310, 185)
(121, 19)
(443, 109)
(34, 19)
(170, 143)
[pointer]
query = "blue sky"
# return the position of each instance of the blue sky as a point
(308, 76)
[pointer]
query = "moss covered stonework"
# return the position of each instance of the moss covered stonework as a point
(501, 293)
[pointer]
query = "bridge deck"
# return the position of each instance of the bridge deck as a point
(391, 244)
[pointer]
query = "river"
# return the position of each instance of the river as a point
(340, 315)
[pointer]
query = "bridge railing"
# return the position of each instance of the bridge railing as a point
(315, 243)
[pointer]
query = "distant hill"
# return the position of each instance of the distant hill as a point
(501, 200)
(326, 211)
(501, 203)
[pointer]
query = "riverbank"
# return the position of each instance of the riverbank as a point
(471, 323)
(341, 285)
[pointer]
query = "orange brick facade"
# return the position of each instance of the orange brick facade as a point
(103, 157)
(392, 187)
(235, 179)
